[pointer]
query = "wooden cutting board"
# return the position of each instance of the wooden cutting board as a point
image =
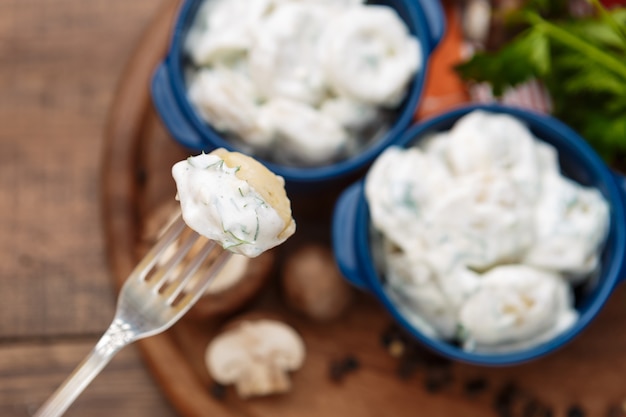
(589, 373)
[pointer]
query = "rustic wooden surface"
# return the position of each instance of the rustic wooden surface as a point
(588, 374)
(60, 63)
(63, 119)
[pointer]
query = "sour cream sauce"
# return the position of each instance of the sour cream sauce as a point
(220, 206)
(300, 82)
(482, 236)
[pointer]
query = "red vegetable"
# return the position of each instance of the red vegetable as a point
(613, 3)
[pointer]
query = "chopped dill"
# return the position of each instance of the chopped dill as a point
(261, 202)
(218, 164)
(239, 240)
(408, 200)
(461, 332)
(232, 245)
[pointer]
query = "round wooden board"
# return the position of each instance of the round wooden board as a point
(138, 155)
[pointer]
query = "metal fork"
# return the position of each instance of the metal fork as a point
(164, 285)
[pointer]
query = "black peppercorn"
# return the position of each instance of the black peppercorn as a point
(339, 368)
(475, 386)
(218, 391)
(392, 334)
(506, 398)
(350, 363)
(615, 410)
(437, 379)
(336, 371)
(575, 411)
(387, 337)
(535, 408)
(406, 369)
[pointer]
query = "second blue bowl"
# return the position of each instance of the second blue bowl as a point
(355, 256)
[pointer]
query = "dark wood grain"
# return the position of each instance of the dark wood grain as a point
(60, 64)
(34, 371)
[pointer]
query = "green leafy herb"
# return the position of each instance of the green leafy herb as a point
(581, 61)
(238, 241)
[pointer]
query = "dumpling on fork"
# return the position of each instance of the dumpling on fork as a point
(233, 199)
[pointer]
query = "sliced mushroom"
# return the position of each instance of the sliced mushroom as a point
(236, 285)
(230, 273)
(256, 356)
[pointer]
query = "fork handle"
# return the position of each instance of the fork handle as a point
(114, 339)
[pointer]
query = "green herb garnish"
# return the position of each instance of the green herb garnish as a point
(581, 61)
(258, 226)
(239, 241)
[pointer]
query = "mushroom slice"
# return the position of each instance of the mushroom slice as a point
(229, 275)
(232, 272)
(256, 356)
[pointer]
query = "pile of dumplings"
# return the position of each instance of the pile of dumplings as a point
(303, 82)
(483, 238)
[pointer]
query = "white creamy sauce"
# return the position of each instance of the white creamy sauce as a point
(339, 64)
(283, 58)
(369, 55)
(570, 225)
(482, 236)
(298, 128)
(231, 104)
(217, 204)
(515, 303)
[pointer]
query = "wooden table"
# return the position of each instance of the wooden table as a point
(60, 61)
(60, 64)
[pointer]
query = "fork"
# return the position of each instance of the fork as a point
(164, 285)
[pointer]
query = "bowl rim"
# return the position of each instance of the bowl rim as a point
(212, 139)
(611, 272)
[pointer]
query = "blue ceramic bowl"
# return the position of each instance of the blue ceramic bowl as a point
(424, 18)
(351, 230)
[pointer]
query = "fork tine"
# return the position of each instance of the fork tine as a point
(162, 274)
(150, 259)
(178, 284)
(141, 311)
(199, 287)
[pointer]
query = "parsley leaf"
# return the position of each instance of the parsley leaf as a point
(505, 68)
(581, 61)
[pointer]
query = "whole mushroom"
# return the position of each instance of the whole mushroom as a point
(256, 356)
(313, 285)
